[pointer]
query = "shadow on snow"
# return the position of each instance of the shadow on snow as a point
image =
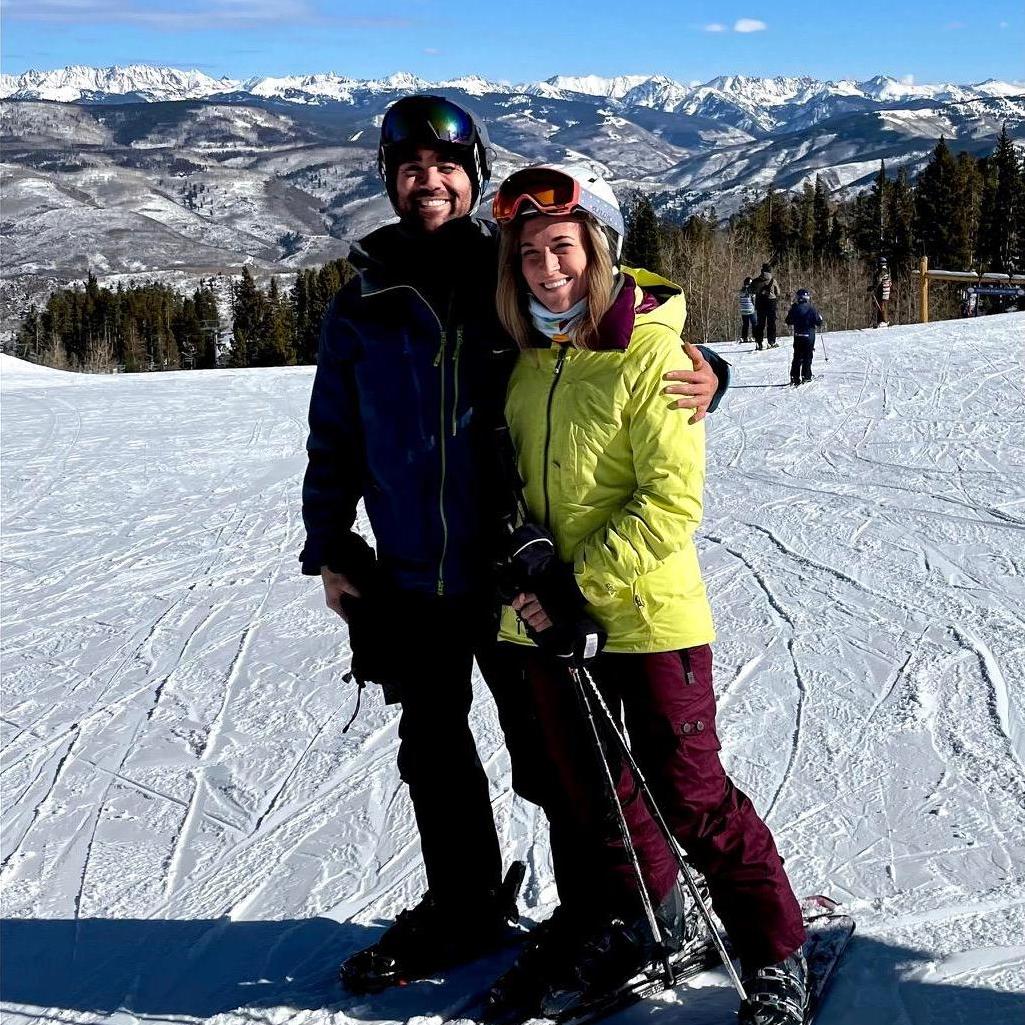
(202, 968)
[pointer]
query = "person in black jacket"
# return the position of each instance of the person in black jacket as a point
(766, 292)
(804, 319)
(406, 406)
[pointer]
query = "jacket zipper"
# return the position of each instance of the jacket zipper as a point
(439, 361)
(560, 359)
(455, 379)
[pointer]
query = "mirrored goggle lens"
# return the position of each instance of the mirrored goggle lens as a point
(551, 192)
(421, 120)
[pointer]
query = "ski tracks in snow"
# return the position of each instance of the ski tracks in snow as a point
(173, 706)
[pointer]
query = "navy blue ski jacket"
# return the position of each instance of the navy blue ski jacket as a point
(409, 390)
(804, 318)
(410, 381)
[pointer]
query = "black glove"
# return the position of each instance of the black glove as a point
(357, 560)
(376, 658)
(574, 636)
(533, 565)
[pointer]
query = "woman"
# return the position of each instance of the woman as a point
(746, 299)
(619, 485)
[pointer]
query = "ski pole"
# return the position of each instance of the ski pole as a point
(617, 805)
(825, 354)
(593, 693)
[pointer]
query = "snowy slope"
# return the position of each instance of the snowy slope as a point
(189, 836)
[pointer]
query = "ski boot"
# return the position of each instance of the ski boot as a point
(517, 995)
(432, 937)
(776, 994)
(573, 962)
(612, 953)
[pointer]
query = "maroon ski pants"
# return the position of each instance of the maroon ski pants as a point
(668, 704)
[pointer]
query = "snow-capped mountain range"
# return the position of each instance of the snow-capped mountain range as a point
(763, 102)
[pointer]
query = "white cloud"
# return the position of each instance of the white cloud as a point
(1005, 24)
(749, 25)
(715, 27)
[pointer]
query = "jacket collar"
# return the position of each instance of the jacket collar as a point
(395, 255)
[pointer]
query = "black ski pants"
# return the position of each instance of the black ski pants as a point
(804, 353)
(765, 325)
(438, 757)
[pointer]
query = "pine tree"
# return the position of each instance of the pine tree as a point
(273, 344)
(642, 246)
(900, 220)
(966, 212)
(804, 210)
(821, 218)
(781, 232)
(937, 194)
(248, 315)
(1001, 207)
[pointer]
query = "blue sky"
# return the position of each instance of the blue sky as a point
(519, 40)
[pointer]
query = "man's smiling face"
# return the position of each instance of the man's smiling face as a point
(431, 189)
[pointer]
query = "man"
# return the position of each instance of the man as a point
(766, 291)
(406, 403)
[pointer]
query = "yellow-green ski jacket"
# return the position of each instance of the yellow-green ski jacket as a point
(615, 474)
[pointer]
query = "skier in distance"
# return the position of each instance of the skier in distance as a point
(766, 291)
(880, 292)
(804, 319)
(748, 318)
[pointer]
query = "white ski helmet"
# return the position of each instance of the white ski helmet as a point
(557, 190)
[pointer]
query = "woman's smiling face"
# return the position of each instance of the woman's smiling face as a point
(553, 260)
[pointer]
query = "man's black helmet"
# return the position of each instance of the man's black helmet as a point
(436, 122)
(803, 295)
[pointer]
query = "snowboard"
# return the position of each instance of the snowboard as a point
(828, 928)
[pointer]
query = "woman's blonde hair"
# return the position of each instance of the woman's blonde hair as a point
(512, 295)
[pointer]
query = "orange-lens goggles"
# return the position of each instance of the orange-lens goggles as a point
(549, 191)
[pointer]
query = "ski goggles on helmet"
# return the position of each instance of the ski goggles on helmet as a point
(427, 119)
(549, 191)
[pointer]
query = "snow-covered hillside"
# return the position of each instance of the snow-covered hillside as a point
(189, 836)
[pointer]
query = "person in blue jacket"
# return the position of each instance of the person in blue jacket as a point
(804, 319)
(406, 407)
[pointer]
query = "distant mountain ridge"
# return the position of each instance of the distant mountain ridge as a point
(762, 105)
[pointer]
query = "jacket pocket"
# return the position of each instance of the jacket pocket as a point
(695, 713)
